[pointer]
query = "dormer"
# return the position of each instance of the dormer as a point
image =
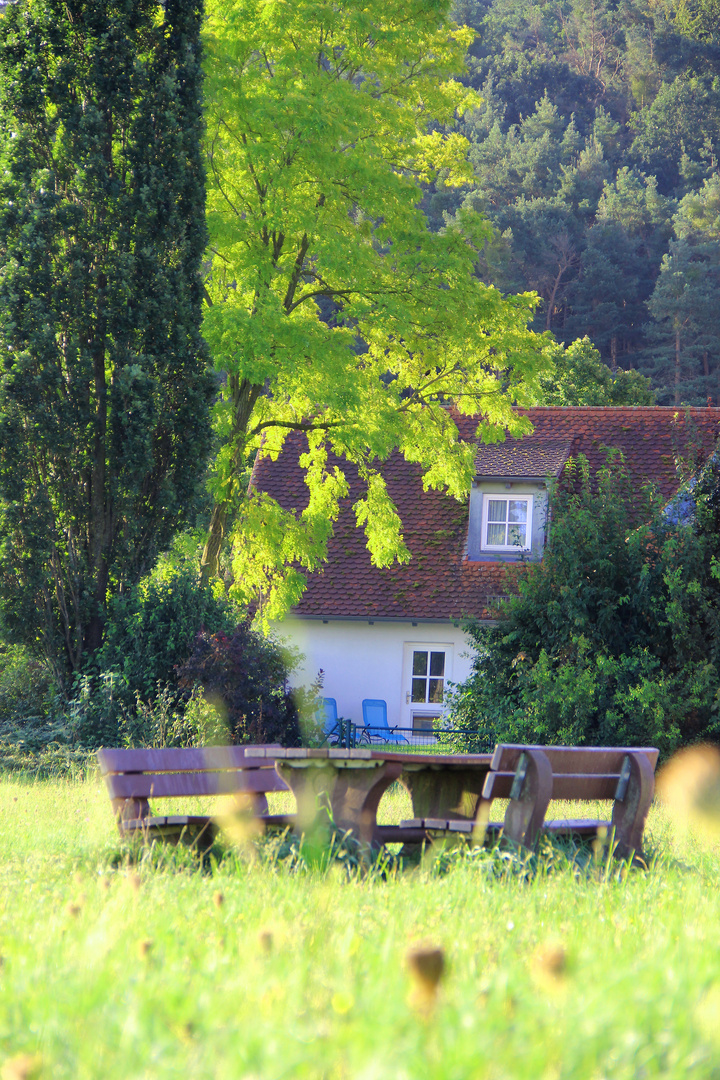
(508, 498)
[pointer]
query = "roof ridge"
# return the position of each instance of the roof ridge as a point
(635, 409)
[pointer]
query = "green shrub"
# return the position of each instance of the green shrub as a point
(245, 675)
(128, 692)
(152, 628)
(30, 717)
(615, 637)
(95, 713)
(173, 719)
(25, 684)
(51, 762)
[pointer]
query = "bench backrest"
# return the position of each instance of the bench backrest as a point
(578, 772)
(175, 772)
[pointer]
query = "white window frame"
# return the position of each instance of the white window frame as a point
(507, 497)
(412, 711)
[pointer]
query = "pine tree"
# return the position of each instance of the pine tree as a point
(684, 335)
(104, 390)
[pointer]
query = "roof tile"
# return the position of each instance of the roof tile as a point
(439, 582)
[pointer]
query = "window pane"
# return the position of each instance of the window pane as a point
(497, 510)
(420, 663)
(496, 534)
(436, 691)
(437, 663)
(518, 510)
(517, 535)
(418, 689)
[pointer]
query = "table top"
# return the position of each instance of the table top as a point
(340, 754)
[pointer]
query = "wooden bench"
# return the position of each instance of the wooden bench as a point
(530, 776)
(133, 777)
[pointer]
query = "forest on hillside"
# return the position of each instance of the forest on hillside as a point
(595, 157)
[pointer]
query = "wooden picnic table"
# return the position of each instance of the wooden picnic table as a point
(351, 782)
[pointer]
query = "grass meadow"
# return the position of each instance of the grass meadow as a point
(149, 965)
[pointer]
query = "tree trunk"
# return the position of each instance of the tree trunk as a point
(98, 532)
(244, 395)
(677, 365)
(553, 294)
(613, 352)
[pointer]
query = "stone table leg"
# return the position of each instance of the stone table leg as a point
(351, 791)
(444, 793)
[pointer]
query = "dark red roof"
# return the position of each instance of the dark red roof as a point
(439, 582)
(532, 456)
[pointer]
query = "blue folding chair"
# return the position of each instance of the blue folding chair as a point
(376, 725)
(330, 719)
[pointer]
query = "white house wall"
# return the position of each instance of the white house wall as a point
(368, 660)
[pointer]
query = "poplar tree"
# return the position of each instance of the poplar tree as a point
(333, 309)
(104, 389)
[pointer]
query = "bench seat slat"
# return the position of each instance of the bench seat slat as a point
(580, 826)
(583, 786)
(572, 759)
(167, 821)
(180, 820)
(444, 825)
(401, 834)
(280, 821)
(162, 785)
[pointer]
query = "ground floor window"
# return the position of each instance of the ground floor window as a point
(428, 676)
(427, 667)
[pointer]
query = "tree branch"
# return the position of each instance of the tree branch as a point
(301, 425)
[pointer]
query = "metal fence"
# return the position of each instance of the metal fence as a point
(430, 740)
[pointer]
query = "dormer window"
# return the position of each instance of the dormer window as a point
(507, 522)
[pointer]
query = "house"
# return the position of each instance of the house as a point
(397, 633)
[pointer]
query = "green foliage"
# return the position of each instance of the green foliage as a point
(31, 715)
(25, 684)
(244, 675)
(47, 761)
(128, 692)
(169, 720)
(95, 713)
(333, 309)
(596, 120)
(683, 118)
(685, 338)
(580, 378)
(614, 638)
(104, 392)
(152, 627)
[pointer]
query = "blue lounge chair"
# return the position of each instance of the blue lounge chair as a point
(376, 725)
(331, 728)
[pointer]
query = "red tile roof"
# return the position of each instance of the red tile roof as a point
(439, 582)
(532, 456)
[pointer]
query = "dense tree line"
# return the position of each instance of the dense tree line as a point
(594, 155)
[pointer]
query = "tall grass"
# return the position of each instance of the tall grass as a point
(159, 966)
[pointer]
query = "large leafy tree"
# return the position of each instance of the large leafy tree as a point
(333, 309)
(104, 391)
(579, 377)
